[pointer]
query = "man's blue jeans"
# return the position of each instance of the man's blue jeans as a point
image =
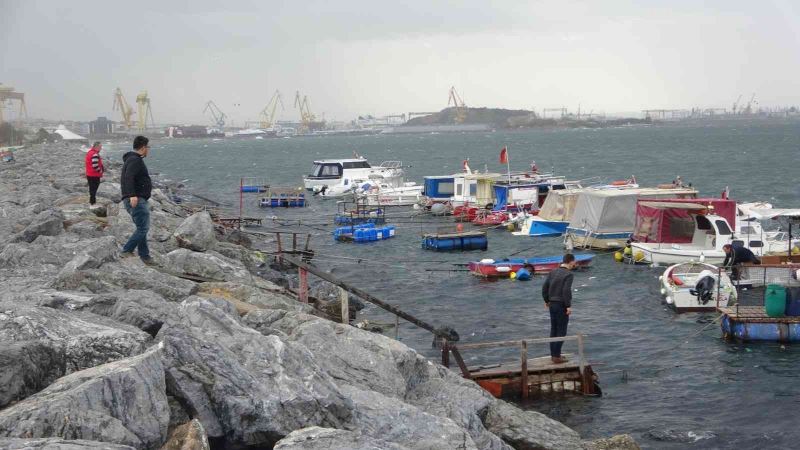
(558, 326)
(141, 218)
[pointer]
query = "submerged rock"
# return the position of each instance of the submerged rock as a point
(317, 438)
(196, 232)
(122, 402)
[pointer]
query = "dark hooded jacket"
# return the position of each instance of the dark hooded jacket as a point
(135, 180)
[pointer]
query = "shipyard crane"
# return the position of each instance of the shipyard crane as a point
(7, 93)
(143, 102)
(216, 113)
(458, 104)
(268, 113)
(736, 103)
(306, 116)
(749, 108)
(121, 105)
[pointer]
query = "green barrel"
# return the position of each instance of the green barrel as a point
(775, 300)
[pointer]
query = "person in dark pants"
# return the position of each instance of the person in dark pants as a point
(557, 294)
(136, 186)
(94, 170)
(736, 256)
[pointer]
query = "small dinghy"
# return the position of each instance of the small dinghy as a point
(692, 286)
(503, 268)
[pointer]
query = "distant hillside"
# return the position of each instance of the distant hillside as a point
(516, 118)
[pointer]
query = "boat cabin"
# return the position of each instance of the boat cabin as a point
(439, 188)
(671, 220)
(474, 189)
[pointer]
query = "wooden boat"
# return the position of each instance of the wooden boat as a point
(502, 268)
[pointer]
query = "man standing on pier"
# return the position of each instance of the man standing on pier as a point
(94, 170)
(557, 294)
(136, 187)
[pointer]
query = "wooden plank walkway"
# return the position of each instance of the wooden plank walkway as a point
(540, 364)
(754, 314)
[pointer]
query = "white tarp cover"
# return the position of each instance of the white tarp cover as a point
(614, 211)
(559, 205)
(771, 213)
(68, 135)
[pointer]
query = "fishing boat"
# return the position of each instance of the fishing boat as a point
(392, 191)
(710, 234)
(694, 286)
(553, 217)
(502, 268)
(605, 218)
(451, 238)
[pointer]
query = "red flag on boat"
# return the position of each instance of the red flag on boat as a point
(504, 156)
(726, 193)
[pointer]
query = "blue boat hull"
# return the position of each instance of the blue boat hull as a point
(541, 228)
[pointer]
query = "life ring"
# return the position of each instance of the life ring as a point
(675, 280)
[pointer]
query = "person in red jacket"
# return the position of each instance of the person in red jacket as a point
(94, 170)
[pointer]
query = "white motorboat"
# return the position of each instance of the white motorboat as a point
(398, 192)
(693, 286)
(341, 174)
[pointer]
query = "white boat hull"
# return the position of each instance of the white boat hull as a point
(665, 256)
(678, 296)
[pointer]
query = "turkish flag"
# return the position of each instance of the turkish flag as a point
(504, 156)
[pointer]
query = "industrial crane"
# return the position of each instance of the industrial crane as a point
(749, 108)
(143, 102)
(306, 116)
(736, 103)
(268, 113)
(121, 105)
(458, 104)
(216, 113)
(8, 93)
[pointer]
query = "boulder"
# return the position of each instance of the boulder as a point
(110, 190)
(262, 298)
(122, 402)
(362, 359)
(207, 265)
(196, 232)
(245, 387)
(390, 419)
(189, 436)
(49, 222)
(57, 444)
(87, 228)
(525, 430)
(142, 309)
(128, 273)
(94, 254)
(56, 343)
(317, 438)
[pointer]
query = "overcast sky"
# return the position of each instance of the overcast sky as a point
(378, 57)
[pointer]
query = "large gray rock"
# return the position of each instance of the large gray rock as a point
(95, 253)
(128, 273)
(270, 298)
(530, 430)
(196, 232)
(122, 402)
(207, 265)
(57, 444)
(362, 359)
(47, 223)
(41, 344)
(390, 419)
(249, 388)
(317, 438)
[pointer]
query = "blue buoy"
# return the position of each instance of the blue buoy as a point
(523, 275)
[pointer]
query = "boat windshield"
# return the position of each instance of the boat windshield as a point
(723, 228)
(326, 170)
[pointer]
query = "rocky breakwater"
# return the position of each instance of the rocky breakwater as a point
(103, 352)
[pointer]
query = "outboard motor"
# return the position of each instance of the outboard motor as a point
(704, 289)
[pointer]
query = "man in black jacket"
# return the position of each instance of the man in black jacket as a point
(735, 256)
(136, 187)
(557, 294)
